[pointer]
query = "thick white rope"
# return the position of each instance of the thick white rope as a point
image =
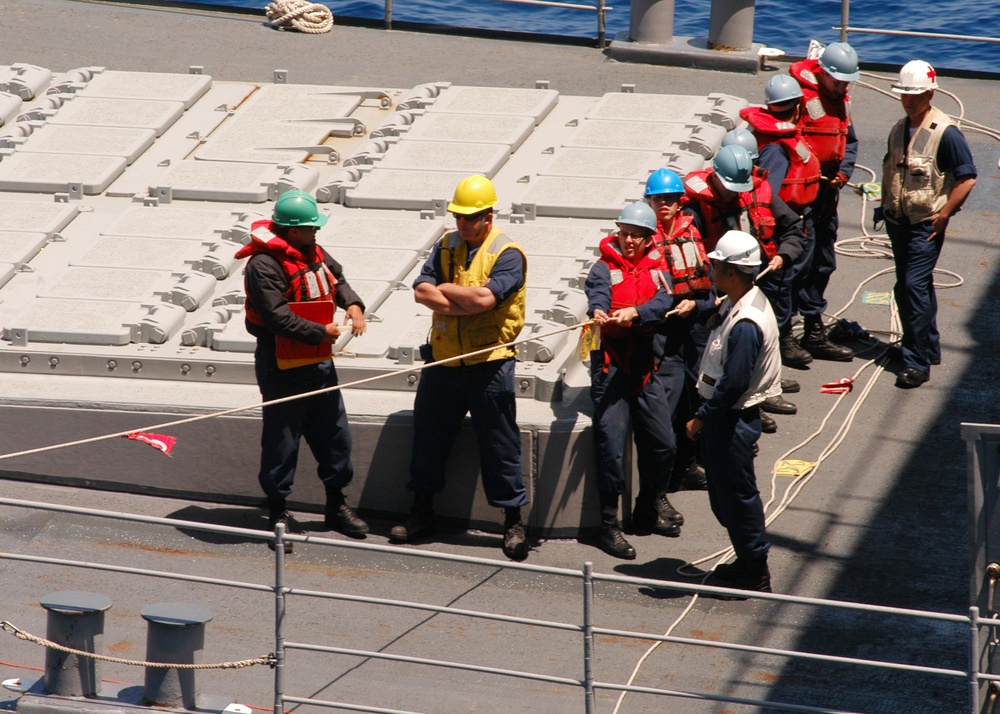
(309, 17)
(28, 637)
(304, 395)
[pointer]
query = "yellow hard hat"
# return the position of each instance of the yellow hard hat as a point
(473, 194)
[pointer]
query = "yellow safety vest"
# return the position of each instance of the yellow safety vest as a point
(913, 187)
(453, 335)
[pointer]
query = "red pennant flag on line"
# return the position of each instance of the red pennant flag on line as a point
(158, 441)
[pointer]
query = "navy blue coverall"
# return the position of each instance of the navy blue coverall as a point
(623, 387)
(322, 418)
(916, 258)
(727, 437)
(485, 390)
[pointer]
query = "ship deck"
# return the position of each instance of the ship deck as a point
(884, 520)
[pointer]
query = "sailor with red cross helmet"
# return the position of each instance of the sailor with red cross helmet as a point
(628, 293)
(287, 267)
(680, 338)
(828, 130)
(927, 174)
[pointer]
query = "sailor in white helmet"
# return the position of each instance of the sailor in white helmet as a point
(741, 368)
(927, 174)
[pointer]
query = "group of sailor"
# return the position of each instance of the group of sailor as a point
(694, 299)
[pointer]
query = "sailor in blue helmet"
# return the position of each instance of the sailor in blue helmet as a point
(628, 293)
(286, 269)
(741, 367)
(680, 338)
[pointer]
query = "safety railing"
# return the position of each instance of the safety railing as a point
(845, 29)
(601, 8)
(585, 626)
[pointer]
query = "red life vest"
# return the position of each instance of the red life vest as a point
(801, 185)
(756, 203)
(824, 122)
(631, 285)
(307, 280)
(684, 256)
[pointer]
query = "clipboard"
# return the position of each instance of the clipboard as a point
(295, 353)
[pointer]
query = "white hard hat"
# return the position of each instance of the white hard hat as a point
(916, 77)
(737, 248)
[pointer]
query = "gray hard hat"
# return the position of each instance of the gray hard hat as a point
(840, 61)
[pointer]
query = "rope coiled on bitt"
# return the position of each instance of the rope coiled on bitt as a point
(301, 15)
(28, 637)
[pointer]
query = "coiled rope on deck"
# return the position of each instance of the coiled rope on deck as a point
(28, 637)
(309, 17)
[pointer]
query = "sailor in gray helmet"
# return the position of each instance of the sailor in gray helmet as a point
(740, 368)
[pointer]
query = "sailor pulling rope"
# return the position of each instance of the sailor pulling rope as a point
(300, 15)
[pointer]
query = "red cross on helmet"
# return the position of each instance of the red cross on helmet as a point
(916, 77)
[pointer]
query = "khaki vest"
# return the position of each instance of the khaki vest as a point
(913, 187)
(765, 381)
(453, 335)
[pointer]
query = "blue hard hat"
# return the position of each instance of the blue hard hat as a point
(734, 167)
(663, 181)
(638, 214)
(744, 138)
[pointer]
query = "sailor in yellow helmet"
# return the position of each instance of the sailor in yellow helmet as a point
(474, 282)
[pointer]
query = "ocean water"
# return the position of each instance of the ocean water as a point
(785, 24)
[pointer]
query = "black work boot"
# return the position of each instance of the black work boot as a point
(744, 574)
(792, 354)
(688, 476)
(653, 515)
(515, 544)
(789, 386)
(341, 517)
(611, 539)
(421, 520)
(767, 424)
(778, 405)
(815, 342)
(277, 512)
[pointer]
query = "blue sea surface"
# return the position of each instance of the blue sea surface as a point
(779, 23)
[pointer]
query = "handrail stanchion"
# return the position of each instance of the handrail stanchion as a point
(602, 28)
(845, 13)
(588, 636)
(279, 618)
(973, 659)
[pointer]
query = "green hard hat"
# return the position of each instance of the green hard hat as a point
(297, 208)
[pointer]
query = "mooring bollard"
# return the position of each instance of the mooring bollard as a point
(175, 634)
(730, 25)
(75, 620)
(651, 21)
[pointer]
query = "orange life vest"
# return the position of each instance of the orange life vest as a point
(684, 255)
(755, 204)
(308, 280)
(824, 123)
(631, 285)
(801, 184)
